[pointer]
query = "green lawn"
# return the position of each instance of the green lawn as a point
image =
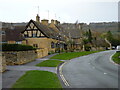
(116, 57)
(71, 55)
(38, 79)
(49, 63)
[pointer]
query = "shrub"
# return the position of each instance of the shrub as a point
(87, 48)
(51, 52)
(16, 47)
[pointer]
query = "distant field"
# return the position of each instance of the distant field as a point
(38, 79)
(71, 55)
(116, 57)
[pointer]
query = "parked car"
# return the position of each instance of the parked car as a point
(118, 47)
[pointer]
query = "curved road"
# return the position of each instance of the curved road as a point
(91, 71)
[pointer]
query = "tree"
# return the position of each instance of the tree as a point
(89, 36)
(108, 38)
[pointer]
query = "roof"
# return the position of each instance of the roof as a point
(13, 34)
(47, 31)
(71, 30)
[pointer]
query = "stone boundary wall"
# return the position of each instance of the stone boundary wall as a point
(42, 52)
(98, 48)
(2, 63)
(19, 57)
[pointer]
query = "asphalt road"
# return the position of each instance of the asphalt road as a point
(91, 71)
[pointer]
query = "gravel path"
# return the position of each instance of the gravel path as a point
(13, 73)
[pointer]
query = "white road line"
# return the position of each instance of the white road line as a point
(105, 73)
(112, 60)
(61, 75)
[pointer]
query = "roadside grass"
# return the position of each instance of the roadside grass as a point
(38, 79)
(71, 55)
(116, 57)
(49, 63)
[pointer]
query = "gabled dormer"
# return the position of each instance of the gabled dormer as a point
(34, 30)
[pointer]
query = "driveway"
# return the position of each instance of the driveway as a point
(91, 71)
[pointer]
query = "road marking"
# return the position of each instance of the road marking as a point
(105, 73)
(62, 76)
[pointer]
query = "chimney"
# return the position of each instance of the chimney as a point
(44, 21)
(37, 18)
(56, 22)
(52, 21)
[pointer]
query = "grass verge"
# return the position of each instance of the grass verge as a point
(71, 55)
(49, 63)
(116, 57)
(38, 79)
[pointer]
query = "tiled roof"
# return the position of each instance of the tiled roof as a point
(13, 34)
(48, 31)
(71, 30)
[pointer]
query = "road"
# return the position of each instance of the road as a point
(91, 71)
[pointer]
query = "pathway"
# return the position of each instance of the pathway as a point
(13, 73)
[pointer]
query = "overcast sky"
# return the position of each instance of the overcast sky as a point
(64, 10)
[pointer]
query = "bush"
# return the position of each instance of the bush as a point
(16, 47)
(87, 48)
(51, 52)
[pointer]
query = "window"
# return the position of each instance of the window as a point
(2, 32)
(19, 42)
(35, 45)
(30, 33)
(34, 33)
(57, 45)
(52, 45)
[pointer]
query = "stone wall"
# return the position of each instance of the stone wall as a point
(42, 43)
(19, 57)
(2, 63)
(42, 52)
(97, 48)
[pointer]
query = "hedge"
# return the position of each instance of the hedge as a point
(16, 47)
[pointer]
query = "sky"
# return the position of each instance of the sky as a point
(68, 11)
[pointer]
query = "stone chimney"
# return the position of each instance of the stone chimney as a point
(56, 22)
(37, 18)
(52, 21)
(44, 21)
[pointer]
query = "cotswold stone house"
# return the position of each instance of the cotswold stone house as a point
(44, 36)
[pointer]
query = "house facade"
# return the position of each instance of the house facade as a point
(46, 37)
